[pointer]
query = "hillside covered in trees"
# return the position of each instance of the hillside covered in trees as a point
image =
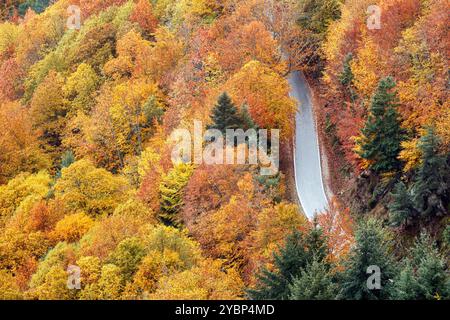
(91, 92)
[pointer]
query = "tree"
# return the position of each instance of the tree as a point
(49, 109)
(72, 227)
(143, 15)
(299, 251)
(19, 144)
(171, 192)
(86, 188)
(431, 185)
(80, 87)
(424, 273)
(401, 210)
(315, 282)
(225, 115)
(208, 281)
(246, 118)
(127, 256)
(382, 134)
(337, 225)
(267, 95)
(316, 15)
(9, 290)
(372, 248)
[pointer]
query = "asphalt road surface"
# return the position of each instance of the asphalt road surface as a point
(307, 167)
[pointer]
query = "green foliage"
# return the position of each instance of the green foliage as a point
(37, 6)
(127, 256)
(171, 192)
(317, 15)
(372, 248)
(382, 133)
(424, 275)
(431, 185)
(246, 119)
(315, 282)
(50, 279)
(346, 77)
(225, 115)
(298, 253)
(401, 209)
(165, 239)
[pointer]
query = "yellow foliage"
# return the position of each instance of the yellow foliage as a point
(204, 282)
(366, 67)
(86, 188)
(410, 154)
(72, 227)
(23, 191)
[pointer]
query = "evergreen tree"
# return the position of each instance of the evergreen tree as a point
(66, 160)
(424, 275)
(382, 134)
(372, 248)
(430, 268)
(432, 182)
(406, 286)
(171, 193)
(299, 251)
(316, 15)
(346, 76)
(314, 283)
(225, 115)
(246, 118)
(401, 210)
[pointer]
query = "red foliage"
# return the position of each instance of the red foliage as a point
(143, 15)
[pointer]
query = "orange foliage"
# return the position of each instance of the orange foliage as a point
(337, 226)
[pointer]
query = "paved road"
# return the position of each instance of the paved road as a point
(307, 168)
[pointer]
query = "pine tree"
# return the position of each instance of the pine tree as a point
(299, 251)
(225, 115)
(372, 248)
(382, 134)
(401, 210)
(432, 182)
(314, 283)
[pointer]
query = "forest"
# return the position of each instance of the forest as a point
(91, 92)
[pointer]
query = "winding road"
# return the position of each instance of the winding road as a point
(307, 165)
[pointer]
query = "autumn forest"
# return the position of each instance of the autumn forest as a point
(94, 207)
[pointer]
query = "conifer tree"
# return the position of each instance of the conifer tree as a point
(299, 251)
(401, 210)
(406, 286)
(314, 283)
(171, 193)
(225, 115)
(431, 185)
(372, 248)
(424, 275)
(382, 134)
(246, 118)
(346, 76)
